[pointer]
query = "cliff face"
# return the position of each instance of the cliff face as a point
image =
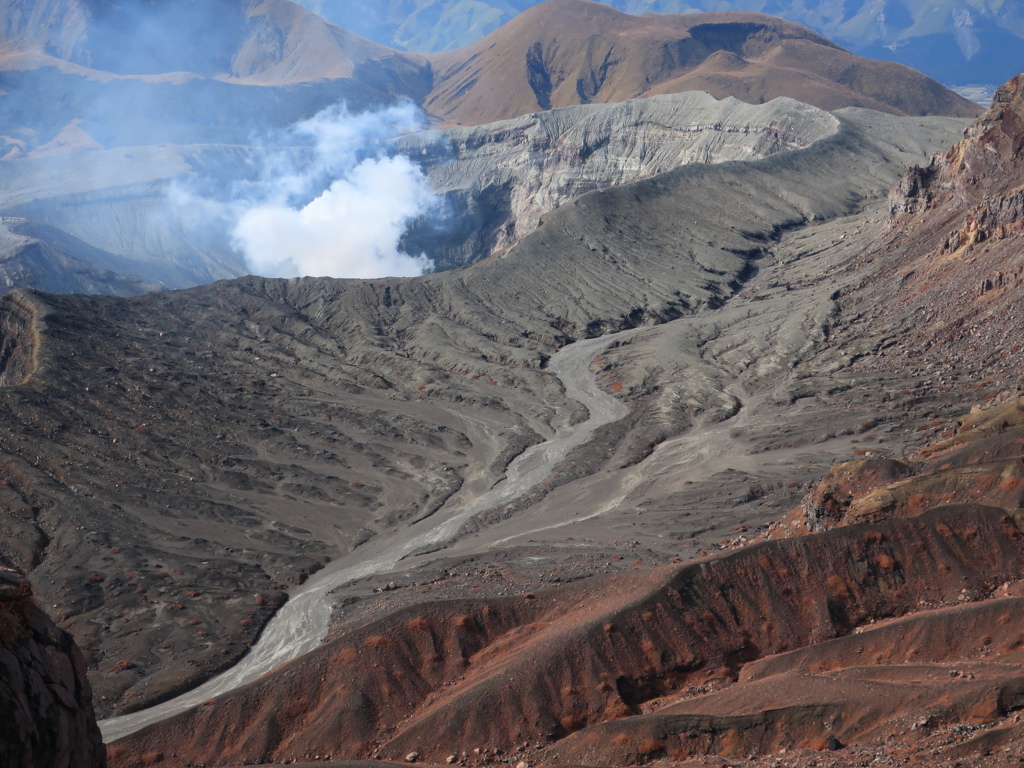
(500, 179)
(44, 694)
(987, 164)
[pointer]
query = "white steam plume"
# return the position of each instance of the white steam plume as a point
(342, 209)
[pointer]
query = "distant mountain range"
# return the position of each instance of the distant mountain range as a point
(954, 41)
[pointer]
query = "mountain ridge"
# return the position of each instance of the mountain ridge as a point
(564, 52)
(141, 130)
(957, 43)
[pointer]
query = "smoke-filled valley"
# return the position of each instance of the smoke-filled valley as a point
(664, 411)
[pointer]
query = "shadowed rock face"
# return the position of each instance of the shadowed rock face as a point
(19, 339)
(45, 695)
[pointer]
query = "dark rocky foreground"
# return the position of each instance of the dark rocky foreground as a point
(48, 720)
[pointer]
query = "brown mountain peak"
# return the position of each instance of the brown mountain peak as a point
(567, 52)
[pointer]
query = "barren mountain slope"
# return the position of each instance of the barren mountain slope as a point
(215, 433)
(949, 268)
(500, 179)
(954, 42)
(565, 52)
(555, 678)
(52, 261)
(892, 639)
(137, 74)
(108, 108)
(120, 211)
(953, 261)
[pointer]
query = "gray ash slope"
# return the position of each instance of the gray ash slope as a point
(499, 179)
(174, 461)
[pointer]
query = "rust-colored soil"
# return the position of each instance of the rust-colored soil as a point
(564, 668)
(891, 635)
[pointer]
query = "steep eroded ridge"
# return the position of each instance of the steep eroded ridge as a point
(499, 180)
(951, 267)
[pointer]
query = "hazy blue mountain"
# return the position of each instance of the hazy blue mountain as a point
(955, 41)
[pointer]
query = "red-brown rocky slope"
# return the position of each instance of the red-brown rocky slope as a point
(903, 630)
(941, 303)
(981, 461)
(455, 678)
(566, 52)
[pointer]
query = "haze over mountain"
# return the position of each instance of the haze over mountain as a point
(953, 41)
(498, 180)
(162, 137)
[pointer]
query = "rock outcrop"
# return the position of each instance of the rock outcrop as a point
(45, 696)
(565, 52)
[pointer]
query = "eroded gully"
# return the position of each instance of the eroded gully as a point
(303, 622)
